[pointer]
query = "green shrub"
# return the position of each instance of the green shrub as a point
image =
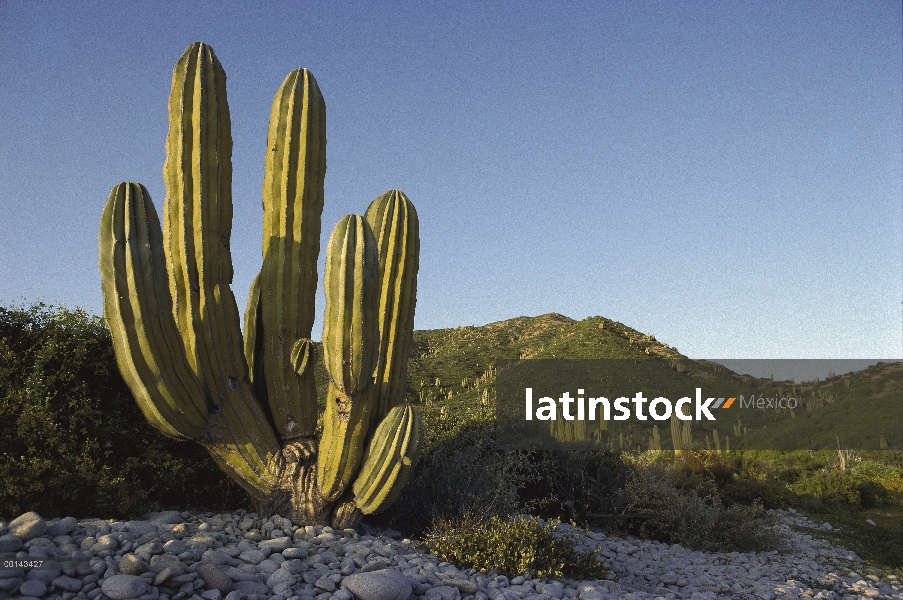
(890, 477)
(745, 490)
(578, 485)
(692, 516)
(844, 486)
(872, 494)
(515, 546)
(462, 472)
(712, 466)
(791, 467)
(73, 439)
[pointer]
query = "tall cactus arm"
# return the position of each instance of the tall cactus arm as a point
(350, 339)
(396, 227)
(198, 208)
(197, 227)
(292, 204)
(138, 310)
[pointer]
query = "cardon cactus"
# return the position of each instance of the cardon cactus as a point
(251, 400)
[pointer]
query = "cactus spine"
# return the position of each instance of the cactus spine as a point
(252, 401)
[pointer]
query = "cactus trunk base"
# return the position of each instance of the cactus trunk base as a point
(346, 514)
(297, 496)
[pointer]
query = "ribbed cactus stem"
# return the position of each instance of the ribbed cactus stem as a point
(391, 456)
(138, 310)
(197, 228)
(253, 342)
(198, 208)
(396, 227)
(292, 204)
(350, 342)
(350, 332)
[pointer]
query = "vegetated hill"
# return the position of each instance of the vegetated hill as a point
(861, 410)
(452, 372)
(452, 368)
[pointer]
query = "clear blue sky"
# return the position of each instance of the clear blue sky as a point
(727, 176)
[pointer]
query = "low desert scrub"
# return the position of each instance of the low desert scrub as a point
(511, 546)
(671, 511)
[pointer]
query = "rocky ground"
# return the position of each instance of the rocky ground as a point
(186, 556)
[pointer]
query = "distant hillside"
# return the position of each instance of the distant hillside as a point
(453, 370)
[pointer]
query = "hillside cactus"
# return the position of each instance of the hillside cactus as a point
(250, 399)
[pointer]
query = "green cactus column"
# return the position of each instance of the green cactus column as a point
(390, 457)
(197, 227)
(394, 432)
(397, 229)
(138, 311)
(292, 204)
(350, 343)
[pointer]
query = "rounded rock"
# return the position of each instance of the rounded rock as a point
(45, 575)
(247, 588)
(132, 565)
(104, 542)
(140, 527)
(326, 584)
(175, 547)
(10, 543)
(280, 576)
(69, 584)
(384, 584)
(64, 526)
(34, 588)
(28, 526)
(443, 592)
(123, 587)
(466, 586)
(215, 557)
(215, 578)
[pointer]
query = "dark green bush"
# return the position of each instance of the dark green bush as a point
(577, 485)
(514, 547)
(872, 494)
(744, 490)
(863, 486)
(696, 465)
(830, 486)
(464, 471)
(73, 440)
(675, 512)
(890, 477)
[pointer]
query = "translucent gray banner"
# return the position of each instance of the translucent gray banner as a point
(627, 404)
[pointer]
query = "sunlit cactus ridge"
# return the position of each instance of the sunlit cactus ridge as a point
(251, 400)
